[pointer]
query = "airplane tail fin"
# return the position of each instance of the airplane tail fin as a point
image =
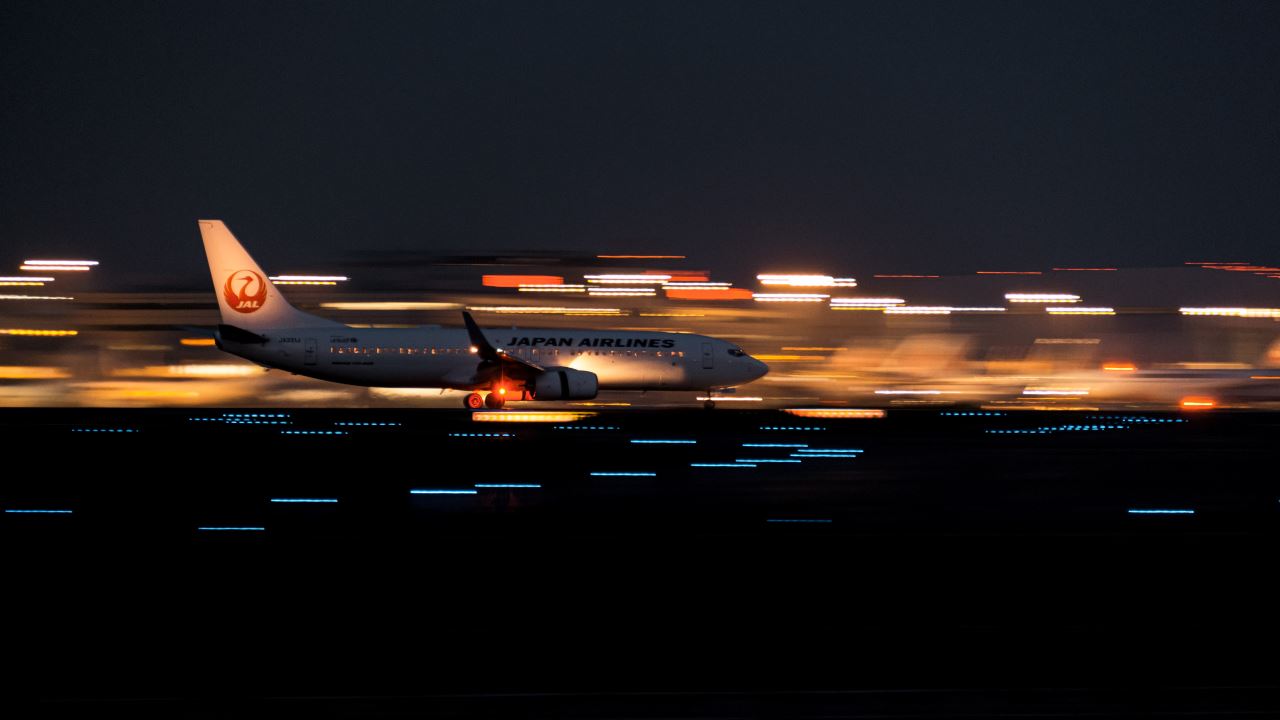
(246, 297)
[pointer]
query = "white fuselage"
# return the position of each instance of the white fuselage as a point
(444, 357)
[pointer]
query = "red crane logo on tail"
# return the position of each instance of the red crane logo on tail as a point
(242, 301)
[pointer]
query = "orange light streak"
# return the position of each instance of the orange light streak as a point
(709, 294)
(837, 413)
(515, 281)
(1196, 402)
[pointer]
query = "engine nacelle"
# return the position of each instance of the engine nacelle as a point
(565, 384)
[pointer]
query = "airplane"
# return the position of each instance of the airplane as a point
(258, 324)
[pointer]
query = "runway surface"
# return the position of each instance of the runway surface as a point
(633, 562)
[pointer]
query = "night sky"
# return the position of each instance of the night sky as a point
(845, 137)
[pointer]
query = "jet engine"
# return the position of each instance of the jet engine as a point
(565, 384)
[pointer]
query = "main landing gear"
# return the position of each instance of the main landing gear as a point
(475, 401)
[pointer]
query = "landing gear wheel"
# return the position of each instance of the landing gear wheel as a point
(494, 401)
(710, 404)
(473, 401)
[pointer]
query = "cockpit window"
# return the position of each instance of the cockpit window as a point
(736, 352)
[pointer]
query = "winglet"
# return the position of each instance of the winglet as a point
(483, 347)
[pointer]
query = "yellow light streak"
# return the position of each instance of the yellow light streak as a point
(198, 342)
(540, 416)
(32, 372)
(27, 332)
(204, 371)
(789, 358)
(837, 413)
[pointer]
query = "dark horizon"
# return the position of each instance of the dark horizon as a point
(835, 137)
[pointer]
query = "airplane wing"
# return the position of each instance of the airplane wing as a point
(494, 360)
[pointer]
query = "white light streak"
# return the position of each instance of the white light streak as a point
(790, 280)
(1080, 310)
(1041, 298)
(312, 278)
(552, 288)
(84, 263)
(1232, 312)
(789, 297)
(628, 279)
(917, 310)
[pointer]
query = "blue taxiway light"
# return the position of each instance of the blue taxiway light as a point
(313, 432)
(791, 427)
(1162, 512)
(442, 492)
(764, 460)
(39, 512)
(104, 430)
(585, 427)
(624, 474)
(722, 465)
(664, 442)
(507, 485)
(775, 445)
(368, 424)
(304, 500)
(831, 450)
(230, 529)
(847, 456)
(481, 434)
(799, 520)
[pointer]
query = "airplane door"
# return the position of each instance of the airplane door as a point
(708, 360)
(309, 355)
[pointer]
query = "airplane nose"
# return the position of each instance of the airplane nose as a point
(758, 369)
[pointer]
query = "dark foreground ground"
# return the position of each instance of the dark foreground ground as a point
(951, 568)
